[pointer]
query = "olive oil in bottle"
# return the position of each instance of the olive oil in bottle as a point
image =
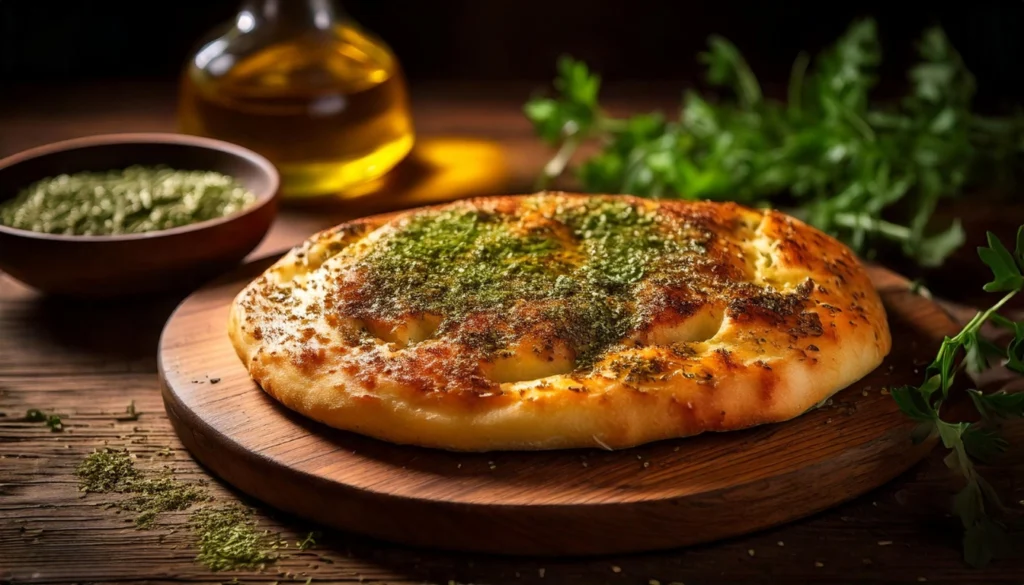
(299, 82)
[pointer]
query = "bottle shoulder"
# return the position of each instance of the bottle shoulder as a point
(341, 57)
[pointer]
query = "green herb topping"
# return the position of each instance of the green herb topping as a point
(458, 260)
(135, 200)
(581, 265)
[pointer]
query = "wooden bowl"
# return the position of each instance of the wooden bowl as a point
(109, 266)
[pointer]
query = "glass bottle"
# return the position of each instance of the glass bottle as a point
(301, 83)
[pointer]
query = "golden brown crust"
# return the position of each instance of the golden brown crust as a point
(754, 318)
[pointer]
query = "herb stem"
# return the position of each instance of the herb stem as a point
(606, 124)
(984, 537)
(860, 125)
(981, 317)
(556, 166)
(796, 81)
(866, 222)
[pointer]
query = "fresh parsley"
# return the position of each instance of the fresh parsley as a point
(984, 536)
(130, 413)
(308, 542)
(872, 176)
(52, 420)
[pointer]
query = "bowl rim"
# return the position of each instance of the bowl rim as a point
(262, 199)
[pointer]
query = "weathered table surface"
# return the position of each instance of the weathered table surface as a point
(89, 361)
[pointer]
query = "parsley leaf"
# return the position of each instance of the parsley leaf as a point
(998, 404)
(871, 176)
(984, 537)
(52, 420)
(1004, 267)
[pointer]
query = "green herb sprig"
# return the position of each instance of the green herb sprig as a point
(52, 420)
(984, 537)
(130, 414)
(866, 174)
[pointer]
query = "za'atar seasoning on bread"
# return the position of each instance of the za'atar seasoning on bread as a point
(134, 200)
(560, 321)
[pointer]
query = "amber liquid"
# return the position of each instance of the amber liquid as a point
(332, 116)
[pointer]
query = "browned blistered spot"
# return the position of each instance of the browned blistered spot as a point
(659, 305)
(750, 303)
(808, 325)
(310, 358)
(257, 333)
(725, 357)
(440, 368)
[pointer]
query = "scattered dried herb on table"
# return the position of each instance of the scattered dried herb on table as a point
(114, 471)
(134, 200)
(165, 494)
(229, 539)
(869, 175)
(107, 471)
(227, 536)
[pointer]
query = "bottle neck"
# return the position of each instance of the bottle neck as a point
(290, 14)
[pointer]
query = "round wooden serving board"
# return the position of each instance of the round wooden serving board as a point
(662, 495)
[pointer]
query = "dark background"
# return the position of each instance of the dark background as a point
(518, 40)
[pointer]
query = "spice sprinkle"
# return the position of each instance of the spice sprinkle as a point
(134, 200)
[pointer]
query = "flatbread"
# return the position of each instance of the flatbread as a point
(560, 321)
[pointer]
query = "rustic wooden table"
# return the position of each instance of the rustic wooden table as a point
(88, 361)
